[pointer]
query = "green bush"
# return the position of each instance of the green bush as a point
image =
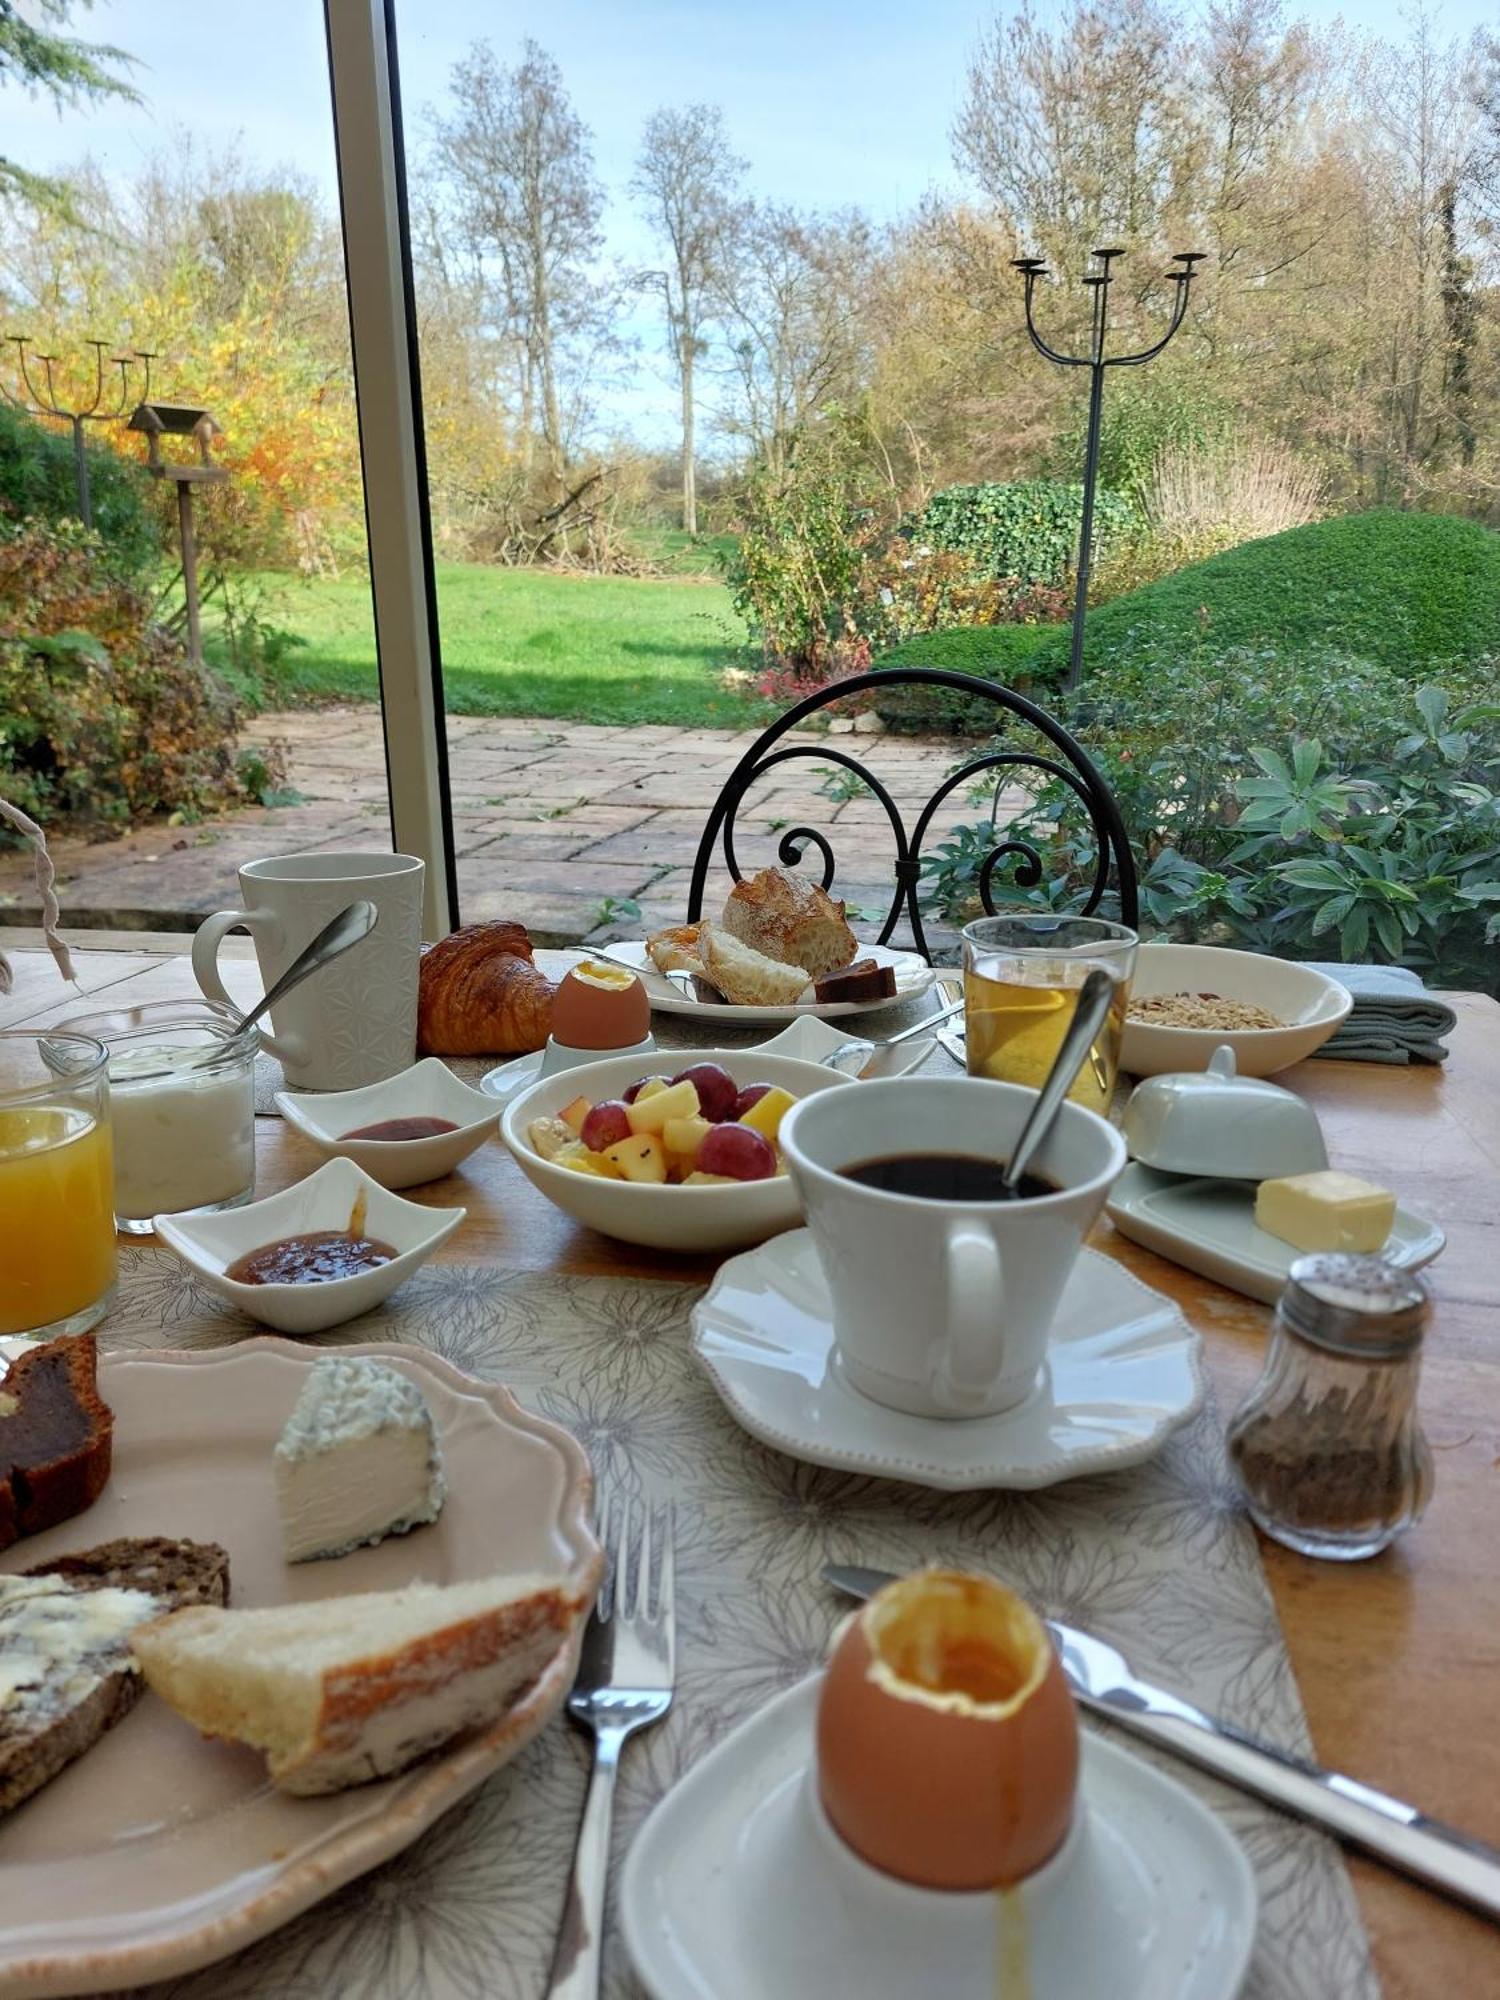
(37, 478)
(1145, 412)
(1409, 592)
(1026, 531)
(102, 716)
(1314, 808)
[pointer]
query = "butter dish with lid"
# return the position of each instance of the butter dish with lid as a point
(1219, 1123)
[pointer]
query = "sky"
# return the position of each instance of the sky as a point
(832, 103)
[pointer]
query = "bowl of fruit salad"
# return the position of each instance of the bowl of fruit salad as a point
(680, 1157)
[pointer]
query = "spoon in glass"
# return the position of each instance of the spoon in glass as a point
(1094, 997)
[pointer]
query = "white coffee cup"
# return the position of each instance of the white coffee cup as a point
(943, 1308)
(355, 1021)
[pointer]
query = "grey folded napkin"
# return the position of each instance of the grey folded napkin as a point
(1395, 1018)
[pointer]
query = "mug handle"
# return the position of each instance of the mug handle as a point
(969, 1359)
(210, 934)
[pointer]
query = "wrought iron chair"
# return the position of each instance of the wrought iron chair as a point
(1070, 765)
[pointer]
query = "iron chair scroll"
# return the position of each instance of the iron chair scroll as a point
(1071, 766)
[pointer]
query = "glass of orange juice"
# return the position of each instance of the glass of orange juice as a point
(1021, 981)
(57, 1218)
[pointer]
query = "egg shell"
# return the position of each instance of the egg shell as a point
(587, 1014)
(941, 1793)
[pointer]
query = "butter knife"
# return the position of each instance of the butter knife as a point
(1398, 1834)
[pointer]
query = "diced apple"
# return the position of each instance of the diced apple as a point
(647, 1087)
(639, 1158)
(709, 1180)
(685, 1135)
(650, 1114)
(766, 1113)
(578, 1159)
(548, 1136)
(573, 1114)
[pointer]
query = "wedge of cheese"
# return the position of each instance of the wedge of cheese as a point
(358, 1459)
(1326, 1211)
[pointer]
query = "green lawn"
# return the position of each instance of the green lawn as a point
(535, 642)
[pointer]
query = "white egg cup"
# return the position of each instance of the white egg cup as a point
(558, 1056)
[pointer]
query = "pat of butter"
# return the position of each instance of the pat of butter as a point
(1326, 1211)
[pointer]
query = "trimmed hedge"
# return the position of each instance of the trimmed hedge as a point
(1026, 530)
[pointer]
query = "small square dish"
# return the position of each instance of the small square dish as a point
(428, 1090)
(1209, 1226)
(328, 1199)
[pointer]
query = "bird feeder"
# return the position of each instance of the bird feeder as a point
(159, 420)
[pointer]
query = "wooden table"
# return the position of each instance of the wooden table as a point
(1398, 1659)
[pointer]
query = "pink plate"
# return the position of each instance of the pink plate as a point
(157, 1852)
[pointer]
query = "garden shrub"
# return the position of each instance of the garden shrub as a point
(102, 716)
(1027, 530)
(1315, 808)
(37, 478)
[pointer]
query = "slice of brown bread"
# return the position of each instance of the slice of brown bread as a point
(56, 1436)
(66, 1669)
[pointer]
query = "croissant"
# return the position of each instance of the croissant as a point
(479, 993)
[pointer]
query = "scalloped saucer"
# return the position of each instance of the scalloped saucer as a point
(737, 1888)
(1123, 1370)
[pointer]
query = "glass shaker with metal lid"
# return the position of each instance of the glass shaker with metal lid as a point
(1327, 1445)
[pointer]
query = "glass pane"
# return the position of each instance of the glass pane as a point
(171, 269)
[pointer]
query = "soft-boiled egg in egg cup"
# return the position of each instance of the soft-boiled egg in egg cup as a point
(598, 1010)
(947, 1740)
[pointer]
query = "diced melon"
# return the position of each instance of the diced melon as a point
(638, 1158)
(650, 1114)
(574, 1113)
(652, 1087)
(685, 1135)
(766, 1113)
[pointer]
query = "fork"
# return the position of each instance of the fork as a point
(623, 1683)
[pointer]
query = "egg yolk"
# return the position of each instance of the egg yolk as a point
(956, 1642)
(595, 974)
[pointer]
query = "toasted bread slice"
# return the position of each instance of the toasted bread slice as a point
(745, 976)
(56, 1436)
(340, 1692)
(788, 918)
(66, 1670)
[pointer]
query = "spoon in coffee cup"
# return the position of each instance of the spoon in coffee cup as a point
(353, 922)
(1094, 997)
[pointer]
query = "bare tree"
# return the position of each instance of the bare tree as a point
(790, 304)
(520, 178)
(686, 180)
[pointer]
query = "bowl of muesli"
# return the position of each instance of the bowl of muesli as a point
(1186, 1000)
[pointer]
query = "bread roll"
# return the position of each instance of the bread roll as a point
(791, 920)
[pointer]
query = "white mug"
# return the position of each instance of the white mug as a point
(943, 1308)
(355, 1021)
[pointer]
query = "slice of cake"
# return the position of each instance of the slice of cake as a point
(342, 1691)
(358, 1460)
(56, 1436)
(66, 1669)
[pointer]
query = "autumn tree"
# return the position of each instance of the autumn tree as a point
(517, 165)
(686, 180)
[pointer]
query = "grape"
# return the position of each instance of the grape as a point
(634, 1090)
(751, 1094)
(606, 1125)
(738, 1151)
(716, 1088)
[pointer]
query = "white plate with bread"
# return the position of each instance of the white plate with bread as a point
(142, 1850)
(781, 946)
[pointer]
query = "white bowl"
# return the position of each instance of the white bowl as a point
(325, 1200)
(1309, 1003)
(690, 1219)
(428, 1089)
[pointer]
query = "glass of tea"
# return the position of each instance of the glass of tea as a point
(1021, 981)
(57, 1219)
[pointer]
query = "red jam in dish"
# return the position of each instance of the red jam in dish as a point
(311, 1259)
(402, 1128)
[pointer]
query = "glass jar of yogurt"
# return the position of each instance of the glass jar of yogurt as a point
(182, 1099)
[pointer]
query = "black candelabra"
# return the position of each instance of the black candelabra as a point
(35, 403)
(1097, 361)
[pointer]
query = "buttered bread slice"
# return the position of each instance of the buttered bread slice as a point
(66, 1670)
(341, 1691)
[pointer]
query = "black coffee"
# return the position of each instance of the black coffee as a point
(945, 1177)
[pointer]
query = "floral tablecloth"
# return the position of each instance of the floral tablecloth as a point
(1158, 1559)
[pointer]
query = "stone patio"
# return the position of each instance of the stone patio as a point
(551, 821)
